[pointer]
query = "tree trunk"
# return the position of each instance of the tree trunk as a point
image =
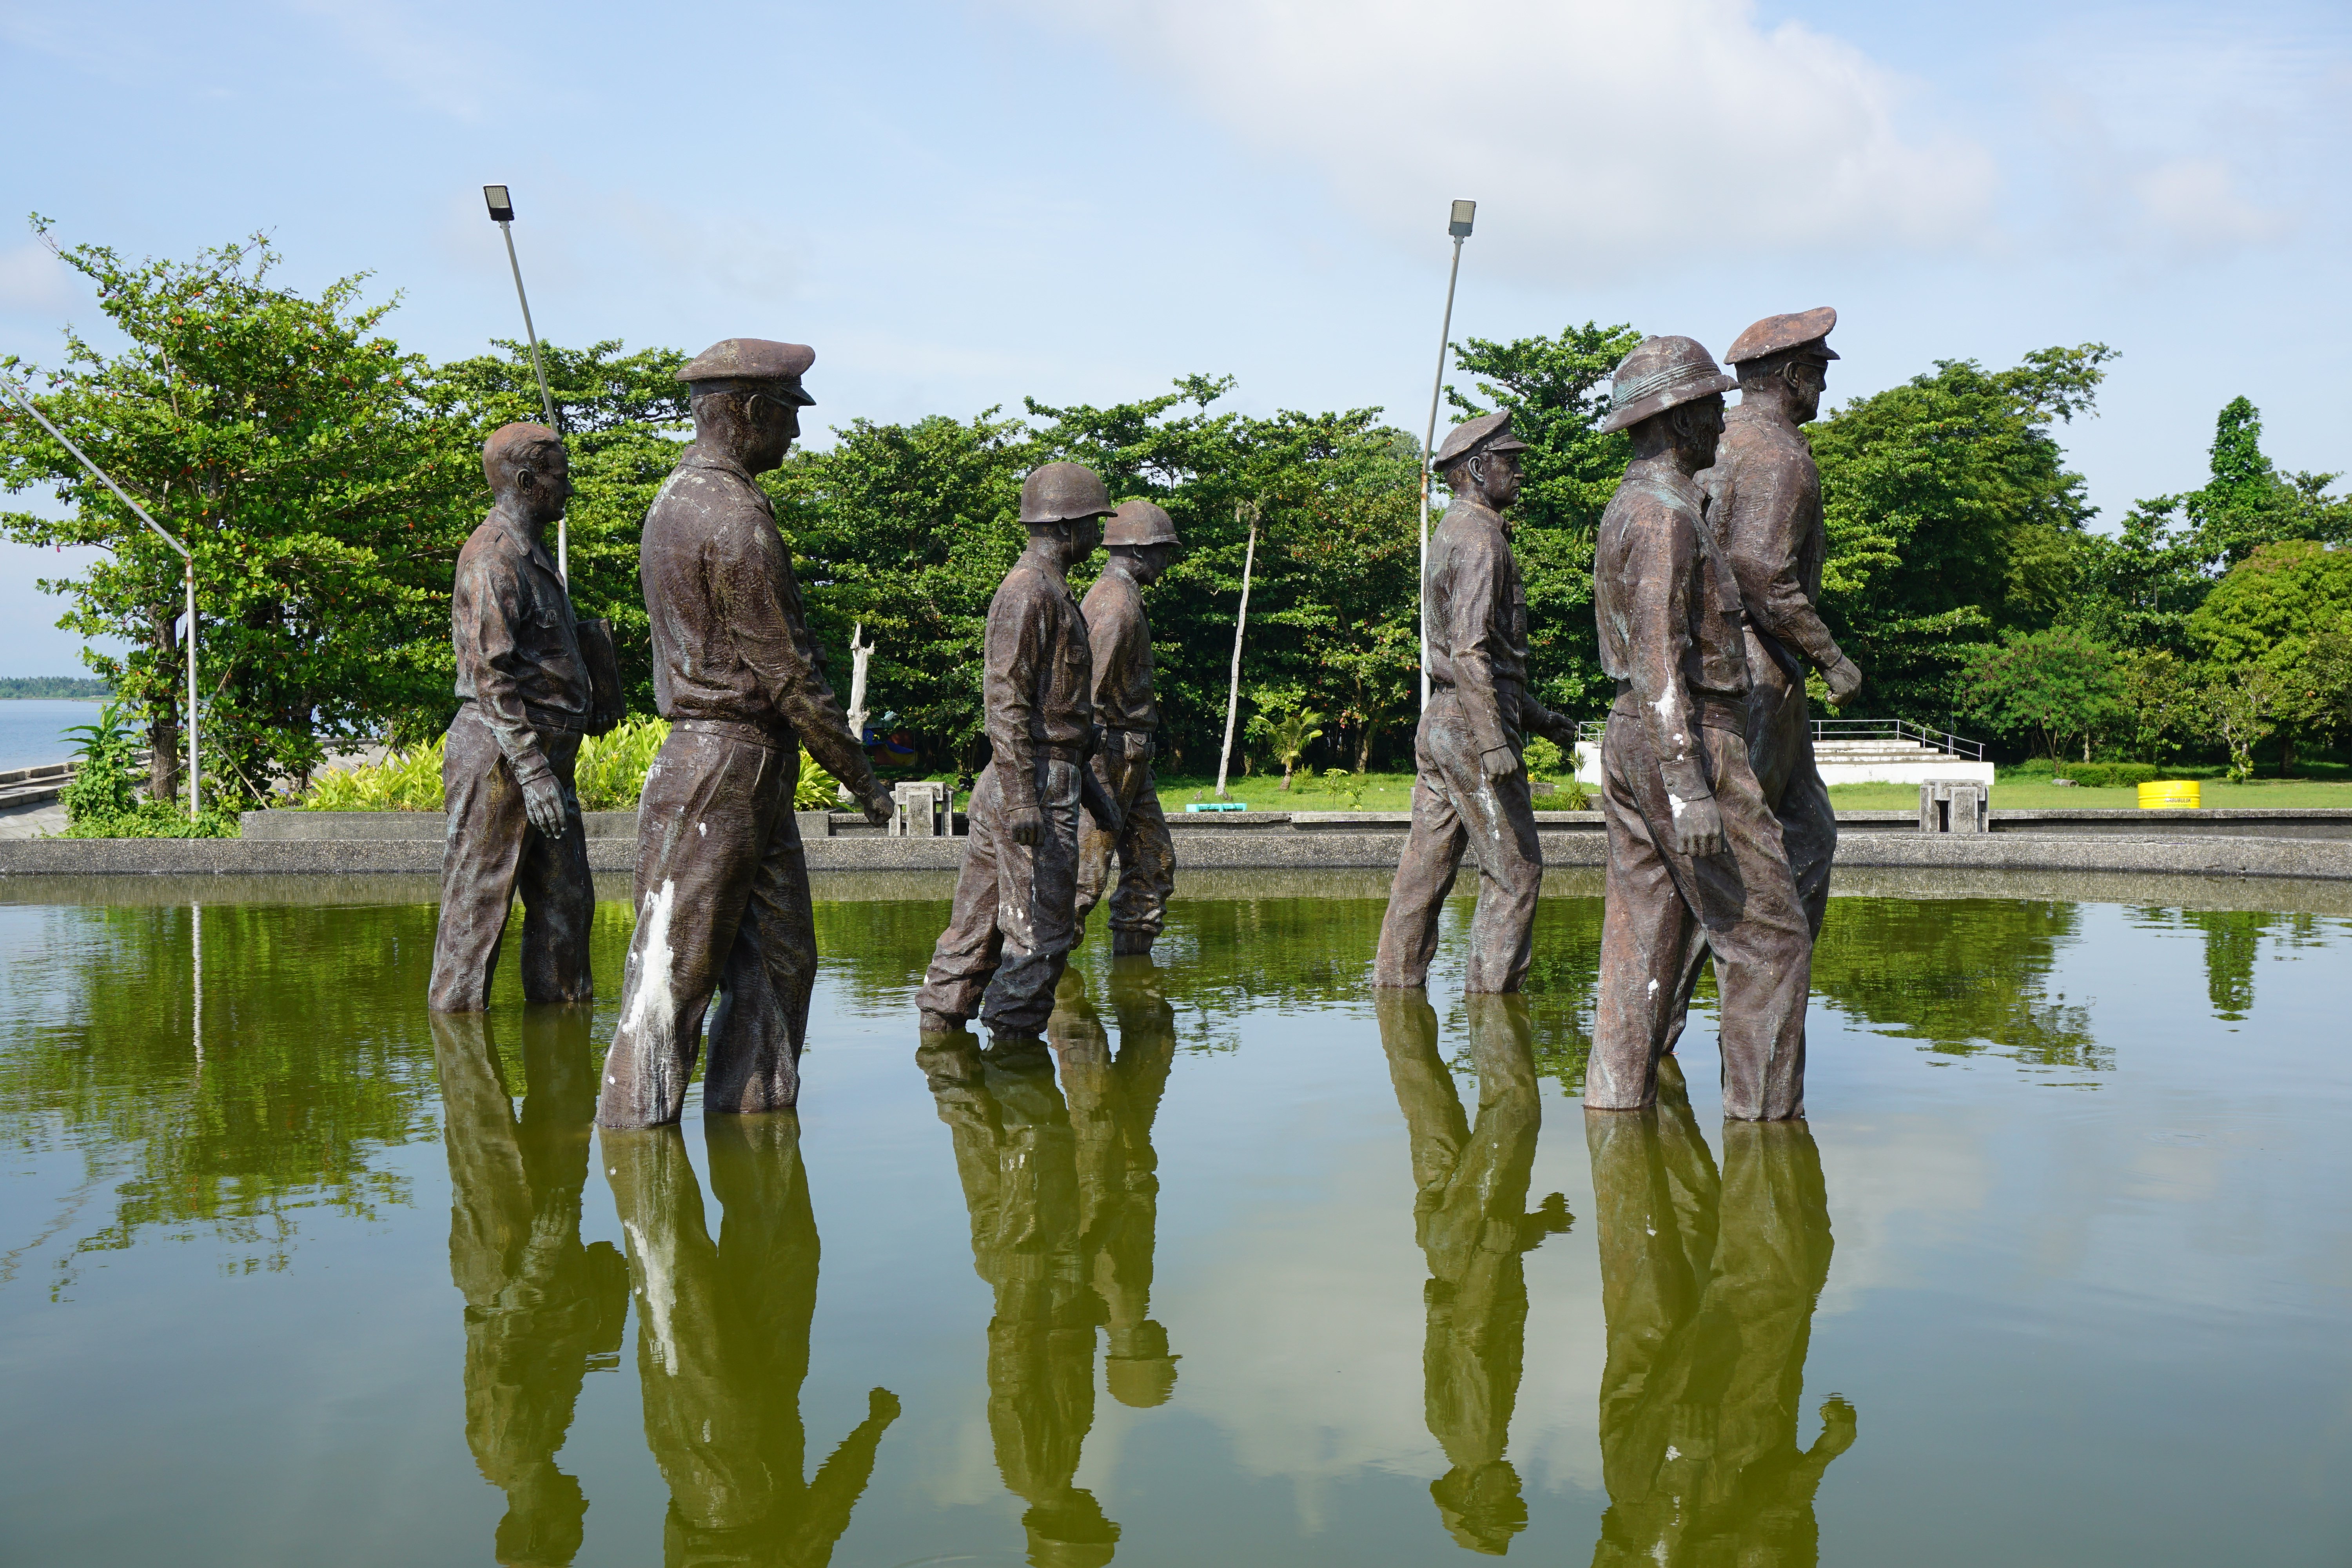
(2286, 752)
(163, 715)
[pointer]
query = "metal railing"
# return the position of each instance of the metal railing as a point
(1944, 741)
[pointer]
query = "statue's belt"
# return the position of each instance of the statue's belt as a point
(775, 740)
(1713, 710)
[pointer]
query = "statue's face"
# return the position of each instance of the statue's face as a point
(1499, 477)
(545, 487)
(1698, 428)
(1085, 538)
(1807, 378)
(775, 424)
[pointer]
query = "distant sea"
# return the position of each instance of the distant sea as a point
(33, 731)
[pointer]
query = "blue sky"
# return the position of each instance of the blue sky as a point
(961, 204)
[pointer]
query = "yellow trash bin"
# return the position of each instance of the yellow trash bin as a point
(2170, 795)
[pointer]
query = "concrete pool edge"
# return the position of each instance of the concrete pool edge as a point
(1356, 845)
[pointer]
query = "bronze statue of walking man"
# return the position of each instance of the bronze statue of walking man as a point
(506, 773)
(1765, 506)
(722, 889)
(1693, 843)
(1140, 538)
(1471, 789)
(1016, 897)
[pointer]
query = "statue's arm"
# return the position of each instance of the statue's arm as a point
(1477, 612)
(1009, 685)
(485, 607)
(1662, 572)
(1765, 523)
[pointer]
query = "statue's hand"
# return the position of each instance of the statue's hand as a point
(543, 806)
(880, 807)
(1698, 827)
(1844, 679)
(1026, 823)
(1102, 808)
(1499, 764)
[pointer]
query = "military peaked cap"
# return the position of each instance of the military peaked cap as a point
(1487, 433)
(753, 359)
(1775, 334)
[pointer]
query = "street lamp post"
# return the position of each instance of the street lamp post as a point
(196, 799)
(1458, 226)
(501, 205)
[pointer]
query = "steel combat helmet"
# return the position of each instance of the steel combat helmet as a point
(1138, 522)
(1662, 372)
(1063, 492)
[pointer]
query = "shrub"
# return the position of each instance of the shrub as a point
(403, 781)
(102, 801)
(2108, 775)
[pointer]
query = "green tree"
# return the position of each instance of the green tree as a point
(2279, 608)
(2246, 502)
(1557, 390)
(304, 459)
(1952, 517)
(2054, 685)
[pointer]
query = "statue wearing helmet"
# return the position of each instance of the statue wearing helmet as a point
(1014, 920)
(1141, 537)
(1692, 845)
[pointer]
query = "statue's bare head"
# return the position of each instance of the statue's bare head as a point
(528, 472)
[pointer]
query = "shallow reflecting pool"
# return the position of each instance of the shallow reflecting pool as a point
(1239, 1268)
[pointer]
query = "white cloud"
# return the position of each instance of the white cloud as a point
(2197, 203)
(32, 279)
(1601, 138)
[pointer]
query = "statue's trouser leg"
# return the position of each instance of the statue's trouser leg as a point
(1658, 901)
(1779, 729)
(1424, 873)
(760, 1019)
(705, 826)
(490, 849)
(969, 950)
(1146, 868)
(1037, 892)
(1494, 823)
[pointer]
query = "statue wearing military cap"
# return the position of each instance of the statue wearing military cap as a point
(1140, 538)
(1692, 845)
(1765, 508)
(1014, 921)
(1470, 786)
(722, 889)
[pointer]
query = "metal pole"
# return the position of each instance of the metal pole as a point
(106, 478)
(1234, 691)
(1421, 526)
(546, 401)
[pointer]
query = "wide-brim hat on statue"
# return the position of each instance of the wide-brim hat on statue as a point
(1487, 433)
(1139, 523)
(1777, 334)
(752, 362)
(1063, 492)
(1662, 372)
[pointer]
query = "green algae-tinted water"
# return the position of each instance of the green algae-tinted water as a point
(1242, 1269)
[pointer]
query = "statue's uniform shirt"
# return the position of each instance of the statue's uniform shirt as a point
(721, 877)
(731, 637)
(1671, 632)
(518, 649)
(1037, 680)
(1670, 620)
(1119, 636)
(1477, 610)
(1478, 623)
(525, 703)
(1766, 494)
(1014, 920)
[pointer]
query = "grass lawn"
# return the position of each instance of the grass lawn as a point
(1393, 792)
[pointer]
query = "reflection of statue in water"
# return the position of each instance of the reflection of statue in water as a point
(723, 1344)
(1471, 1189)
(1708, 1285)
(539, 1307)
(1063, 1203)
